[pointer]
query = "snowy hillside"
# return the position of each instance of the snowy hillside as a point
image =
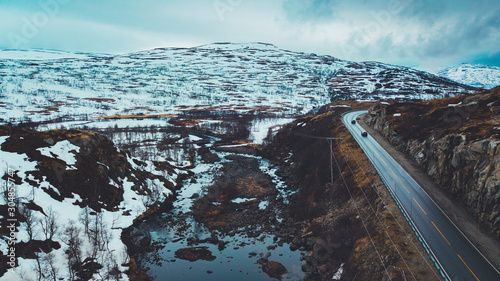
(476, 75)
(40, 54)
(43, 85)
(78, 183)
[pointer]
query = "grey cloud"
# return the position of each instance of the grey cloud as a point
(471, 34)
(439, 29)
(310, 10)
(455, 41)
(488, 59)
(423, 10)
(429, 11)
(431, 30)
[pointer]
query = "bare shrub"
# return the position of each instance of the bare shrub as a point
(49, 224)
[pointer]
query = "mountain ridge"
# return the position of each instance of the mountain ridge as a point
(239, 78)
(476, 75)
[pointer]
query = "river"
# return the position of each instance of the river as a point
(242, 247)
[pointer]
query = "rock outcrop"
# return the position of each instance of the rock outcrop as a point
(456, 143)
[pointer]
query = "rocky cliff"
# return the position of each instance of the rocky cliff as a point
(456, 141)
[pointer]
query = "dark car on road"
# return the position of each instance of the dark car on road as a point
(353, 122)
(364, 134)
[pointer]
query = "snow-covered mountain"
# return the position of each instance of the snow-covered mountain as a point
(93, 184)
(41, 54)
(476, 75)
(43, 85)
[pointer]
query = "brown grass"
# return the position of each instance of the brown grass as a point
(476, 117)
(184, 122)
(100, 99)
(393, 224)
(135, 116)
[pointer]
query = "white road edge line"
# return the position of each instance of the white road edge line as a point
(459, 230)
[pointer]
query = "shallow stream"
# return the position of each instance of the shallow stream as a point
(237, 258)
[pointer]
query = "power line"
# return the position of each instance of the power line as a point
(312, 136)
(389, 210)
(357, 210)
(332, 157)
(375, 213)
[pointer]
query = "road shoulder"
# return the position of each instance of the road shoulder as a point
(465, 222)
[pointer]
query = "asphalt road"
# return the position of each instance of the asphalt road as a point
(449, 248)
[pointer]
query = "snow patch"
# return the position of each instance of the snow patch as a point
(339, 272)
(63, 150)
(260, 128)
(233, 145)
(453, 105)
(263, 205)
(242, 200)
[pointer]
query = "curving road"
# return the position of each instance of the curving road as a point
(449, 248)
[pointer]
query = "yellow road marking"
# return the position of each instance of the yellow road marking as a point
(441, 233)
(374, 151)
(468, 267)
(404, 186)
(384, 162)
(420, 206)
(393, 172)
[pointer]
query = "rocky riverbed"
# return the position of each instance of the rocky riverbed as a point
(226, 223)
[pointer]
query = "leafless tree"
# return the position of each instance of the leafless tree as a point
(74, 252)
(38, 268)
(85, 220)
(49, 224)
(98, 234)
(30, 222)
(153, 196)
(51, 270)
(112, 268)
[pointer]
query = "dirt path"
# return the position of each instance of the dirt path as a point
(489, 246)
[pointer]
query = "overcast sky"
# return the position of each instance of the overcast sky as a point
(418, 33)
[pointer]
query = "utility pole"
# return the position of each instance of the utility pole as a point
(331, 162)
(330, 143)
